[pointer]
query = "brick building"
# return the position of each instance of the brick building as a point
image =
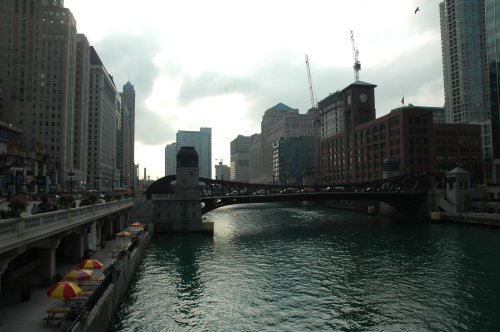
(407, 137)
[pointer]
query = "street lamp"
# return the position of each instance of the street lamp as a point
(71, 174)
(113, 172)
(15, 170)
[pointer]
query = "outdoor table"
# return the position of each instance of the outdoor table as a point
(88, 287)
(116, 252)
(56, 314)
(76, 301)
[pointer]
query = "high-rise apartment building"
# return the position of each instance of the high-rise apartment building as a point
(104, 119)
(38, 43)
(202, 142)
(492, 10)
(469, 50)
(464, 61)
(240, 159)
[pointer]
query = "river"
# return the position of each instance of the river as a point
(270, 267)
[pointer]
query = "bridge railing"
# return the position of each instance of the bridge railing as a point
(33, 227)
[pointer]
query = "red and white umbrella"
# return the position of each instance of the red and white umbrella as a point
(64, 290)
(90, 264)
(136, 224)
(78, 275)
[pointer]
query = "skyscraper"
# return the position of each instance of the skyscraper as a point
(468, 39)
(38, 42)
(464, 61)
(128, 100)
(492, 10)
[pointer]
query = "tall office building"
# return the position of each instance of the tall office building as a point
(293, 159)
(38, 42)
(278, 121)
(240, 158)
(78, 175)
(202, 142)
(104, 118)
(222, 172)
(170, 159)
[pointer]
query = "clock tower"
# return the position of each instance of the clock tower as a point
(360, 104)
(359, 100)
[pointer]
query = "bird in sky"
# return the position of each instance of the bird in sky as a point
(416, 10)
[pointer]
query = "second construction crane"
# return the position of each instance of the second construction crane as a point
(314, 102)
(355, 55)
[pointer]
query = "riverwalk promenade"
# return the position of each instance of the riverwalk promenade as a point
(30, 315)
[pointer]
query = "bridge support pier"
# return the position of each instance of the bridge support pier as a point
(48, 260)
(3, 267)
(107, 228)
(47, 265)
(92, 237)
(76, 247)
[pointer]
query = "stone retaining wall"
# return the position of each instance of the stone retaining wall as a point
(102, 314)
(488, 219)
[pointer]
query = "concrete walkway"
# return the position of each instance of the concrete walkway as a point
(28, 316)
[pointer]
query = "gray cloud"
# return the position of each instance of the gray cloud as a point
(282, 78)
(130, 58)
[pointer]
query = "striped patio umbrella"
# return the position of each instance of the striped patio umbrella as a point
(124, 234)
(64, 290)
(78, 275)
(90, 264)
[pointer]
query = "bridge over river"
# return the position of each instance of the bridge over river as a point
(405, 193)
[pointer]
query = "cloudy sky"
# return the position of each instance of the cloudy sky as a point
(223, 63)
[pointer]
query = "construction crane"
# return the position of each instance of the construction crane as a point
(314, 102)
(355, 55)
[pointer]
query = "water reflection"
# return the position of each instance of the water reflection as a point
(284, 268)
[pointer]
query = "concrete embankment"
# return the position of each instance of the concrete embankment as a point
(102, 314)
(486, 219)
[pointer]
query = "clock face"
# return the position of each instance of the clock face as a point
(363, 98)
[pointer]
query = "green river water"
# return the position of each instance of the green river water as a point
(271, 267)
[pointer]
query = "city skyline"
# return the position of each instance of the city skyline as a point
(222, 65)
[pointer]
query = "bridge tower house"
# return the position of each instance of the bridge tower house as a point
(180, 212)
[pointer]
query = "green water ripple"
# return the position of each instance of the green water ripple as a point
(276, 268)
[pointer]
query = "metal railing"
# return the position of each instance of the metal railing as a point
(79, 315)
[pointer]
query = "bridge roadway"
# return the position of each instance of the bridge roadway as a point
(401, 201)
(28, 230)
